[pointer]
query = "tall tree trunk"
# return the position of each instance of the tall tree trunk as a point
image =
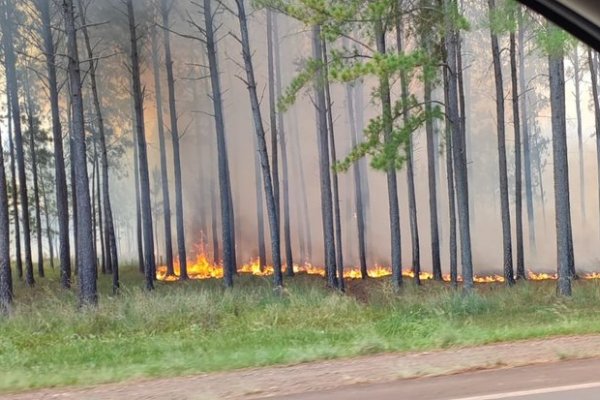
(358, 196)
(103, 248)
(452, 247)
(175, 142)
(62, 202)
(224, 181)
(149, 262)
(6, 284)
(339, 255)
(502, 169)
(410, 175)
(73, 183)
(561, 173)
(324, 165)
(7, 26)
(525, 132)
(273, 116)
(33, 127)
(85, 249)
(163, 155)
(518, 166)
(14, 190)
(594, 74)
(459, 158)
(262, 146)
(110, 258)
(287, 235)
(138, 210)
(394, 208)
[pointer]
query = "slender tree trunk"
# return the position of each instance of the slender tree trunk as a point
(394, 208)
(163, 155)
(262, 146)
(6, 22)
(149, 262)
(175, 142)
(110, 258)
(339, 257)
(594, 75)
(561, 173)
(14, 191)
(6, 284)
(273, 115)
(358, 197)
(138, 210)
(73, 183)
(224, 181)
(85, 256)
(518, 166)
(452, 247)
(103, 248)
(502, 169)
(324, 165)
(525, 132)
(33, 127)
(459, 159)
(287, 235)
(410, 175)
(62, 202)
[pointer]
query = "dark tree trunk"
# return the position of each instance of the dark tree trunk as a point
(262, 146)
(561, 173)
(450, 179)
(502, 169)
(163, 155)
(518, 166)
(107, 226)
(459, 160)
(138, 210)
(62, 202)
(287, 235)
(410, 175)
(358, 196)
(227, 231)
(525, 133)
(6, 284)
(6, 23)
(14, 191)
(594, 75)
(175, 142)
(33, 128)
(147, 231)
(339, 255)
(324, 165)
(273, 116)
(85, 248)
(394, 208)
(73, 184)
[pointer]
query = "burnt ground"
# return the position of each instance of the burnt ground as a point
(328, 375)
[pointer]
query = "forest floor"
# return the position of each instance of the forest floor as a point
(324, 376)
(192, 328)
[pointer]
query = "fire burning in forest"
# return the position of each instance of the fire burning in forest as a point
(203, 268)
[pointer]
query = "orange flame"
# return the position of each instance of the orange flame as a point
(203, 268)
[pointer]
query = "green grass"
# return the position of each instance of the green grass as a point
(200, 327)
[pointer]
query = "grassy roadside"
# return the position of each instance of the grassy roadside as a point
(199, 327)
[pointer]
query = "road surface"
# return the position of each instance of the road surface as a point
(565, 380)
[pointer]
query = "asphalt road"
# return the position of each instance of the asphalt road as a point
(566, 380)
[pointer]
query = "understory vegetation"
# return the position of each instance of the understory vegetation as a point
(199, 326)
